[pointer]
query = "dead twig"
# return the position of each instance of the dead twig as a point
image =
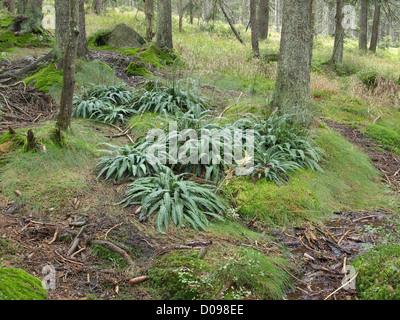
(116, 249)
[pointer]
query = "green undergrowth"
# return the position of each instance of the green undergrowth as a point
(47, 178)
(35, 39)
(348, 182)
(385, 135)
(379, 273)
(93, 72)
(16, 284)
(183, 275)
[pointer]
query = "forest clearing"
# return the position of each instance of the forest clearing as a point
(200, 150)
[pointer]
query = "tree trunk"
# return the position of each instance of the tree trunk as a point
(337, 56)
(149, 12)
(254, 28)
(363, 39)
(83, 49)
(375, 26)
(62, 30)
(31, 11)
(191, 11)
(277, 19)
(97, 6)
(164, 26)
(180, 12)
(230, 23)
(292, 88)
(263, 19)
(66, 103)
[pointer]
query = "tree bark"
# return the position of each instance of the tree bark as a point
(32, 11)
(254, 28)
(164, 26)
(66, 103)
(97, 6)
(263, 19)
(375, 26)
(180, 12)
(149, 12)
(337, 56)
(62, 30)
(363, 39)
(292, 88)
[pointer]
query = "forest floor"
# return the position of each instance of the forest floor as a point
(310, 229)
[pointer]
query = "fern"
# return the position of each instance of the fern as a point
(126, 162)
(174, 199)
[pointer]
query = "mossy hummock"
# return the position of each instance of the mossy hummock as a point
(16, 284)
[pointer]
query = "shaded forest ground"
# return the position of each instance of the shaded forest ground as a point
(248, 256)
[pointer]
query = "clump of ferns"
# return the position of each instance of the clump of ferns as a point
(129, 161)
(175, 200)
(170, 100)
(281, 147)
(102, 103)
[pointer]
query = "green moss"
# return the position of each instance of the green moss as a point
(46, 78)
(369, 79)
(379, 277)
(16, 284)
(131, 52)
(36, 38)
(6, 248)
(349, 181)
(137, 69)
(385, 135)
(177, 276)
(17, 141)
(109, 258)
(99, 40)
(7, 21)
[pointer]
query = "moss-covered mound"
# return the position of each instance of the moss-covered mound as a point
(45, 78)
(16, 284)
(122, 36)
(37, 38)
(379, 277)
(385, 135)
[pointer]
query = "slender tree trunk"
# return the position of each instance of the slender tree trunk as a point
(230, 22)
(277, 18)
(62, 30)
(254, 28)
(97, 6)
(83, 49)
(149, 12)
(375, 26)
(66, 103)
(363, 39)
(191, 11)
(263, 19)
(180, 12)
(245, 12)
(164, 26)
(292, 88)
(337, 56)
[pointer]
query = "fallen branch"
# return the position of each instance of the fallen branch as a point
(116, 249)
(342, 286)
(75, 242)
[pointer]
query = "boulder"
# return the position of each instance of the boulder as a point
(125, 37)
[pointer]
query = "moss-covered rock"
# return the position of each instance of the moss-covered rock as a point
(46, 78)
(137, 69)
(124, 36)
(36, 38)
(379, 273)
(16, 284)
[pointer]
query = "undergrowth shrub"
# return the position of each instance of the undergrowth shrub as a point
(171, 100)
(174, 199)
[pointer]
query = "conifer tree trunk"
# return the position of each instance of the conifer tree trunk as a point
(375, 26)
(263, 19)
(363, 39)
(149, 12)
(337, 55)
(66, 103)
(292, 87)
(254, 28)
(164, 25)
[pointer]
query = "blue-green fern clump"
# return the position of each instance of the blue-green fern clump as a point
(175, 200)
(129, 161)
(171, 100)
(281, 147)
(107, 104)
